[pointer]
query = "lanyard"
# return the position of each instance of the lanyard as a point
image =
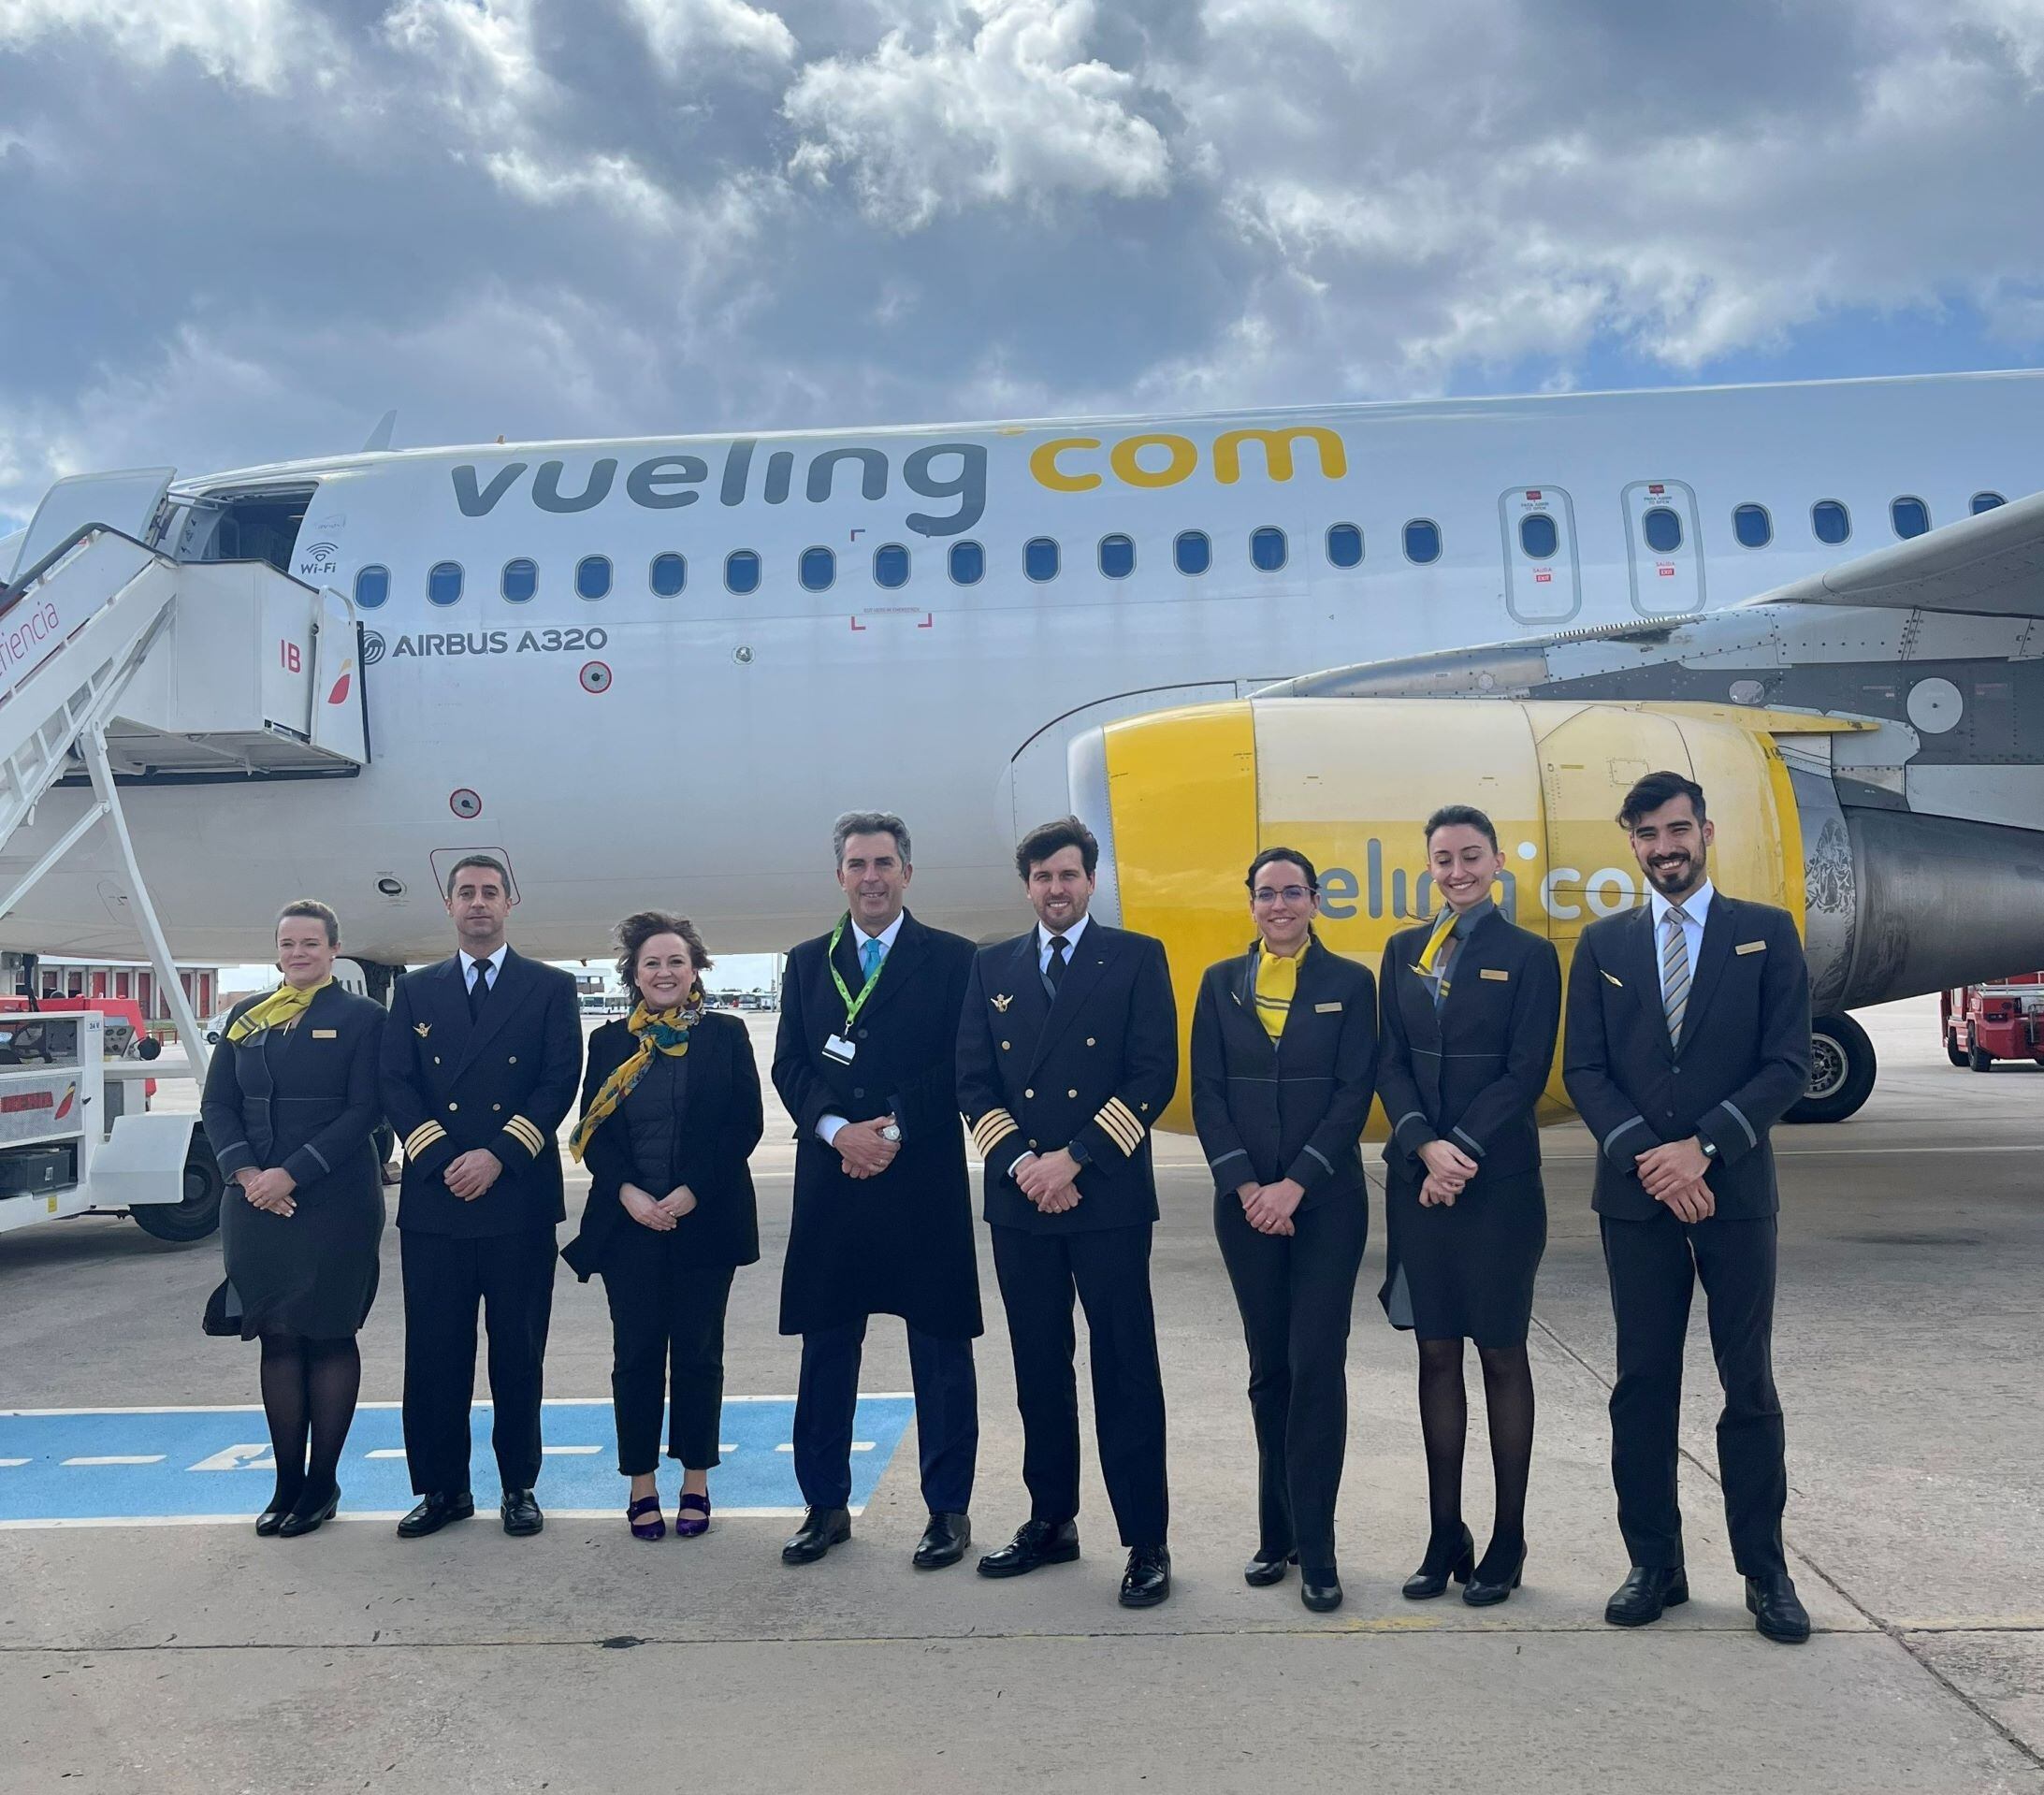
(853, 1005)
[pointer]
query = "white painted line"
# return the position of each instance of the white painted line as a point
(8, 1464)
(572, 1450)
(861, 1445)
(374, 1515)
(384, 1451)
(238, 1458)
(550, 1402)
(722, 1447)
(786, 1447)
(121, 1458)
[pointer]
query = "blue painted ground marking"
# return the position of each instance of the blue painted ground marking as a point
(83, 1466)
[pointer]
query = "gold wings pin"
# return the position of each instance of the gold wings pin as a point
(422, 1029)
(1002, 1002)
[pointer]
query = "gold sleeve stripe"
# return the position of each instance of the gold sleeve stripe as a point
(527, 1134)
(427, 1133)
(1122, 1128)
(990, 1127)
(1127, 1116)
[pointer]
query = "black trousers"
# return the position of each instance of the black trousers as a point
(947, 1415)
(1296, 1293)
(446, 1277)
(667, 1350)
(1654, 1265)
(1110, 1270)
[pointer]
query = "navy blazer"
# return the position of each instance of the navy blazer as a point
(1743, 1060)
(1292, 1107)
(1472, 1072)
(1096, 1068)
(505, 1081)
(303, 1098)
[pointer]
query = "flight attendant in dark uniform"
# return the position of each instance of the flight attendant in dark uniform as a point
(481, 1057)
(669, 1116)
(290, 1109)
(1284, 1047)
(1472, 1006)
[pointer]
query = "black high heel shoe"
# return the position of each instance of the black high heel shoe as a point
(1432, 1578)
(1267, 1568)
(305, 1518)
(1482, 1591)
(270, 1521)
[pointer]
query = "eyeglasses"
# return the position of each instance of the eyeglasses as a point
(1290, 893)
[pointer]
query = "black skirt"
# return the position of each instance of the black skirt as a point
(1467, 1271)
(314, 1272)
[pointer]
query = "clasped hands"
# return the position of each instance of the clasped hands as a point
(1449, 1170)
(1673, 1174)
(268, 1190)
(660, 1213)
(864, 1150)
(472, 1173)
(1268, 1207)
(1050, 1180)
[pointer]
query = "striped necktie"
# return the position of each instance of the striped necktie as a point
(1674, 971)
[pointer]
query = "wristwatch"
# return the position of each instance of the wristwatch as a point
(1080, 1157)
(1709, 1146)
(891, 1132)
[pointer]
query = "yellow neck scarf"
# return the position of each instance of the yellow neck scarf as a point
(1277, 981)
(280, 1009)
(665, 1031)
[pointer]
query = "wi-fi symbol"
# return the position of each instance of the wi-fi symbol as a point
(321, 551)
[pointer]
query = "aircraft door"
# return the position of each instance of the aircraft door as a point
(1662, 549)
(1543, 575)
(123, 501)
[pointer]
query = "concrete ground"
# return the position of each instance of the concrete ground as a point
(164, 1660)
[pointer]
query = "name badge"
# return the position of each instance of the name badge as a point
(325, 1033)
(1750, 946)
(837, 1047)
(1495, 972)
(1327, 1009)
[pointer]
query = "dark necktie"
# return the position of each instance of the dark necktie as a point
(1053, 974)
(479, 990)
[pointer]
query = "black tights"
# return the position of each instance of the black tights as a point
(309, 1393)
(1443, 1419)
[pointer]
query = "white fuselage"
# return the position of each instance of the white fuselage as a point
(690, 751)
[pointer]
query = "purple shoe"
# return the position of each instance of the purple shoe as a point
(692, 1516)
(643, 1528)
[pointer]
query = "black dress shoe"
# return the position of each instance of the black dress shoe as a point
(434, 1512)
(821, 1529)
(1267, 1568)
(1320, 1590)
(1036, 1544)
(1450, 1558)
(944, 1541)
(1492, 1582)
(1645, 1593)
(1148, 1578)
(1777, 1611)
(521, 1513)
(308, 1512)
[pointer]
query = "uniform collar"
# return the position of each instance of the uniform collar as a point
(1469, 917)
(886, 936)
(1071, 934)
(1696, 906)
(495, 963)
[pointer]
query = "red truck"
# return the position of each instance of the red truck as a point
(2004, 1020)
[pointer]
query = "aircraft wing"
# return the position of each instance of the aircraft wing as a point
(1991, 565)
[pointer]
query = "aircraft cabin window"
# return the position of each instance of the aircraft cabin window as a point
(520, 580)
(443, 584)
(742, 571)
(1192, 553)
(1832, 522)
(817, 569)
(668, 574)
(1266, 549)
(1539, 537)
(1423, 541)
(592, 577)
(1753, 526)
(1346, 546)
(1910, 517)
(1117, 556)
(371, 587)
(968, 563)
(1662, 530)
(890, 565)
(1986, 502)
(1040, 558)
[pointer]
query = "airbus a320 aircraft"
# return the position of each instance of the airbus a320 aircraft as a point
(653, 672)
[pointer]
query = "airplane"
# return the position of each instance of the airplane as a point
(653, 671)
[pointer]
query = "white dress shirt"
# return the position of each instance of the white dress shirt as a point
(495, 963)
(1043, 969)
(827, 1126)
(1696, 906)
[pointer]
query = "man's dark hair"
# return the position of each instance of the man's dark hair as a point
(1272, 855)
(1655, 789)
(1463, 816)
(1047, 839)
(489, 860)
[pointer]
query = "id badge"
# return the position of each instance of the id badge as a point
(837, 1047)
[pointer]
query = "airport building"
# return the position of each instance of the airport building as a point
(30, 974)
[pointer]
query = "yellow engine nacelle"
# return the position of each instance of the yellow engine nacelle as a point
(1183, 800)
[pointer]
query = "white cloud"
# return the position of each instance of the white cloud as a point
(248, 41)
(678, 31)
(1005, 104)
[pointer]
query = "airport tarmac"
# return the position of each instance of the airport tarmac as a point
(162, 1659)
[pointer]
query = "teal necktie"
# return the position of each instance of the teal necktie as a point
(870, 956)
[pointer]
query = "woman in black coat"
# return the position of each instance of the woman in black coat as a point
(671, 1113)
(1284, 1043)
(290, 1109)
(1472, 1006)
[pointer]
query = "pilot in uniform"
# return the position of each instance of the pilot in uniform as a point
(1067, 1054)
(481, 1055)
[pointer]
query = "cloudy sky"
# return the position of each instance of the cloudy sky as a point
(232, 230)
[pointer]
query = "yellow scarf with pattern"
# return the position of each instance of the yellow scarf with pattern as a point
(280, 1009)
(664, 1031)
